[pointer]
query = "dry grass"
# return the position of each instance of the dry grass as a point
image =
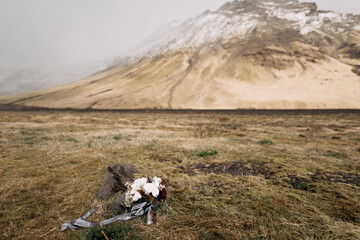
(305, 185)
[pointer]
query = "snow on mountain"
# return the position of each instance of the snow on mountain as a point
(239, 18)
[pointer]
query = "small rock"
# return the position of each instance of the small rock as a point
(115, 178)
(198, 165)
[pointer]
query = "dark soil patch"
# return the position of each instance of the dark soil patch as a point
(236, 168)
(335, 177)
(239, 168)
(15, 108)
(299, 182)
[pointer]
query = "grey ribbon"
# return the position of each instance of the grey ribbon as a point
(138, 210)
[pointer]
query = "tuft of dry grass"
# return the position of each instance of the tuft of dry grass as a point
(52, 165)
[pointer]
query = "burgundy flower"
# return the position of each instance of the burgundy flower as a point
(162, 195)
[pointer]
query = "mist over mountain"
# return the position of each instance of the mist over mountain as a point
(25, 79)
(40, 39)
(248, 54)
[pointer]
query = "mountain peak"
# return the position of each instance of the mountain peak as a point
(238, 19)
(246, 5)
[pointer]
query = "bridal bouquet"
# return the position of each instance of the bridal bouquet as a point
(150, 190)
(142, 195)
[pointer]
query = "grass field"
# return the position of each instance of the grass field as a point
(232, 176)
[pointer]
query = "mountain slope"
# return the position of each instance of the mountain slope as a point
(249, 54)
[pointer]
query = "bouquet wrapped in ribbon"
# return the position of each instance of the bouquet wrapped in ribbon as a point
(140, 197)
(146, 190)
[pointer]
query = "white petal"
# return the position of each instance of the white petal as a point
(138, 184)
(155, 192)
(148, 188)
(156, 180)
(137, 196)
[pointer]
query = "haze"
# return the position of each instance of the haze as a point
(49, 32)
(67, 31)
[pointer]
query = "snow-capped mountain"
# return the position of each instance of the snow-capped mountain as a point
(269, 54)
(238, 19)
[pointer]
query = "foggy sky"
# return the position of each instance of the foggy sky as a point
(48, 32)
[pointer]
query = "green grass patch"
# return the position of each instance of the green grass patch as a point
(266, 142)
(28, 138)
(304, 186)
(208, 153)
(333, 154)
(118, 137)
(74, 140)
